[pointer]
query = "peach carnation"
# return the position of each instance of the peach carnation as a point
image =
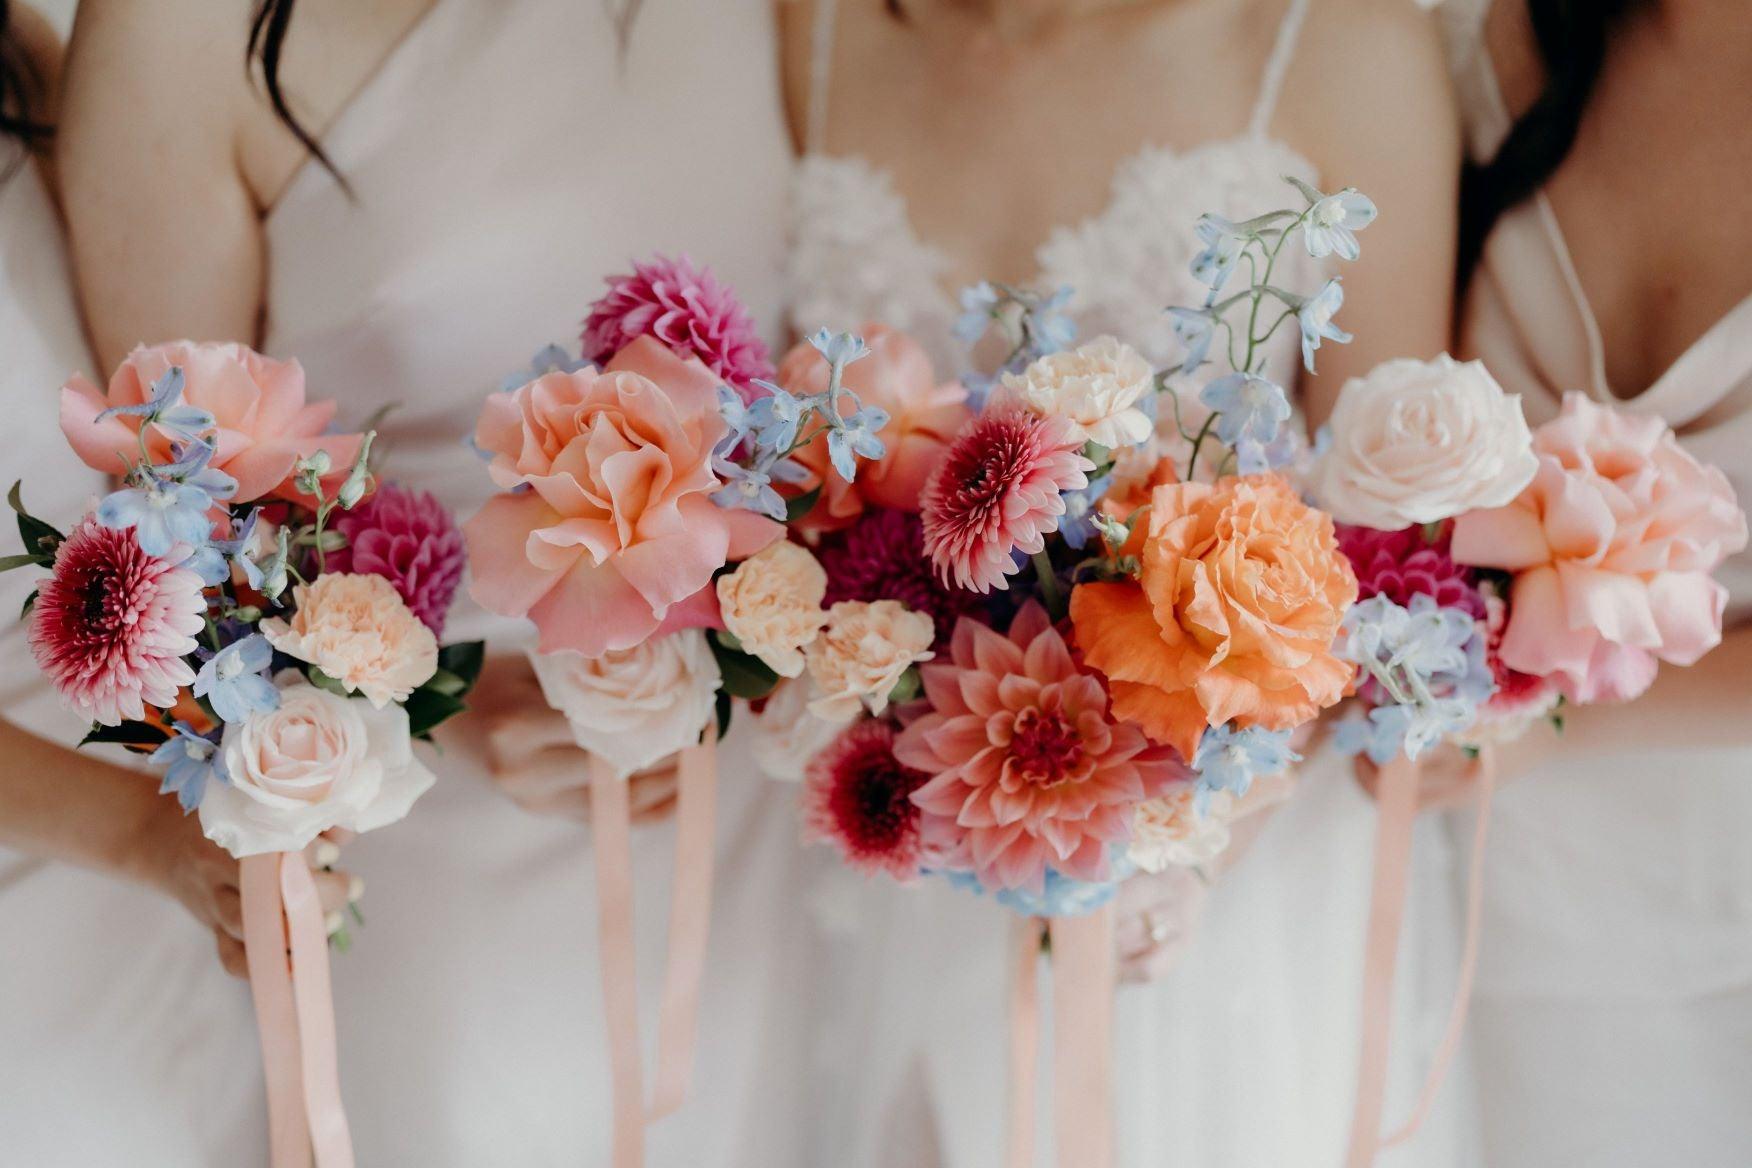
(860, 656)
(263, 423)
(359, 631)
(617, 536)
(1232, 618)
(771, 603)
(1168, 831)
(1096, 387)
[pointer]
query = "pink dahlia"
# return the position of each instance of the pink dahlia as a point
(882, 557)
(997, 492)
(856, 796)
(686, 308)
(1405, 563)
(409, 539)
(1027, 759)
(113, 624)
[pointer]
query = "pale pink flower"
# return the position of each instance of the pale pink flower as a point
(359, 631)
(1097, 387)
(112, 626)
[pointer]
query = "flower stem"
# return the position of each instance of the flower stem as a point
(1050, 591)
(1203, 433)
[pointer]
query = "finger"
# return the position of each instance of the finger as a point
(228, 912)
(231, 955)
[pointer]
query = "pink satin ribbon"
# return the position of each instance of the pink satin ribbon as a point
(286, 947)
(1084, 974)
(1397, 810)
(689, 928)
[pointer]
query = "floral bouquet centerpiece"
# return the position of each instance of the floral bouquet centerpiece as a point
(1504, 572)
(256, 614)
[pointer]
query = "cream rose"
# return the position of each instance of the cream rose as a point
(861, 654)
(1169, 832)
(1422, 441)
(786, 734)
(316, 762)
(634, 707)
(772, 604)
(359, 631)
(1096, 386)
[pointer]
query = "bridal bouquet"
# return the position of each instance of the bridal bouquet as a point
(256, 613)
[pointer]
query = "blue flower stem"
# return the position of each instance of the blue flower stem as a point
(1050, 592)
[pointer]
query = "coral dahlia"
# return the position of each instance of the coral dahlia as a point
(112, 625)
(856, 796)
(997, 491)
(685, 307)
(1026, 758)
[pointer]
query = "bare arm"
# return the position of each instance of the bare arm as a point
(1369, 95)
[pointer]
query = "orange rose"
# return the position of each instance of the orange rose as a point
(1232, 617)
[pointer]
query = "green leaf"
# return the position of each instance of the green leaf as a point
(802, 505)
(127, 734)
(22, 560)
(38, 537)
(29, 603)
(463, 660)
(428, 710)
(447, 683)
(724, 707)
(322, 680)
(745, 676)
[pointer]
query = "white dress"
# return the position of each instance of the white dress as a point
(505, 159)
(1245, 1054)
(112, 1001)
(1613, 1017)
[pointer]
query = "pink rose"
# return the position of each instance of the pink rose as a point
(1612, 546)
(264, 425)
(617, 536)
(923, 418)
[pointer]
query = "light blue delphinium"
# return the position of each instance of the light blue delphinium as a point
(165, 408)
(979, 305)
(1250, 408)
(1333, 221)
(271, 575)
(1429, 668)
(1060, 896)
(548, 359)
(1314, 318)
(840, 349)
(1229, 760)
(750, 488)
(163, 514)
(773, 420)
(189, 759)
(232, 680)
(1194, 328)
(1078, 524)
(1050, 328)
(189, 465)
(212, 560)
(1223, 243)
(735, 413)
(856, 438)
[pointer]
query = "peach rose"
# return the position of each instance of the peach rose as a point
(359, 631)
(1240, 594)
(617, 536)
(1612, 546)
(1096, 387)
(862, 653)
(772, 604)
(315, 762)
(923, 418)
(264, 425)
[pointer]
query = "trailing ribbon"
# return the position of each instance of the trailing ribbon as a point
(690, 913)
(1397, 809)
(286, 947)
(1084, 970)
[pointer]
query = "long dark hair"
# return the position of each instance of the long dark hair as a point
(1572, 36)
(267, 38)
(22, 94)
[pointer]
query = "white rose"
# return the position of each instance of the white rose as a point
(1422, 441)
(786, 733)
(316, 762)
(634, 707)
(1096, 386)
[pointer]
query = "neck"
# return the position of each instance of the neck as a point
(1016, 19)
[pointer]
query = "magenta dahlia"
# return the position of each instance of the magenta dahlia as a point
(409, 539)
(882, 557)
(997, 492)
(688, 309)
(858, 797)
(1406, 563)
(112, 625)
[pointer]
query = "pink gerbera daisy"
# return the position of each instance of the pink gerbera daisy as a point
(856, 796)
(686, 308)
(112, 625)
(997, 492)
(1026, 757)
(408, 538)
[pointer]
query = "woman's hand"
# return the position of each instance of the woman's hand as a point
(1155, 921)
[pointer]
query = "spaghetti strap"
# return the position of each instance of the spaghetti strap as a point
(1271, 83)
(820, 75)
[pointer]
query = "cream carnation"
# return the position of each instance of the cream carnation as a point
(1168, 832)
(1422, 441)
(861, 654)
(634, 707)
(359, 631)
(772, 604)
(1096, 387)
(315, 762)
